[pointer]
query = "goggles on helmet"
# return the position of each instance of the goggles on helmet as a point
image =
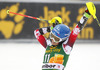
(55, 38)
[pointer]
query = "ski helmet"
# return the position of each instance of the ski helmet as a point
(60, 32)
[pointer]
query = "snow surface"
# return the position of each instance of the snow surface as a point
(29, 56)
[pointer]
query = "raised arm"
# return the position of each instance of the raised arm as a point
(39, 35)
(78, 28)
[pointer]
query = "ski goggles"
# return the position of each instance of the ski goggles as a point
(55, 38)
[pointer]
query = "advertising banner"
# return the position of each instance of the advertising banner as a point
(19, 27)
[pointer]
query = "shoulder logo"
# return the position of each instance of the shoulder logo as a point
(76, 31)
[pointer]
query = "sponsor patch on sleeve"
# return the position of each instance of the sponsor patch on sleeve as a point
(67, 49)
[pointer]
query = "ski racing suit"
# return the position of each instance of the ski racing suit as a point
(56, 57)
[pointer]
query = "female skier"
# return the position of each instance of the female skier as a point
(60, 44)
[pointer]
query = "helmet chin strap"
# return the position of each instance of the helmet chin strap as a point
(66, 39)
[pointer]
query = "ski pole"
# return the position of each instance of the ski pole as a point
(27, 16)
